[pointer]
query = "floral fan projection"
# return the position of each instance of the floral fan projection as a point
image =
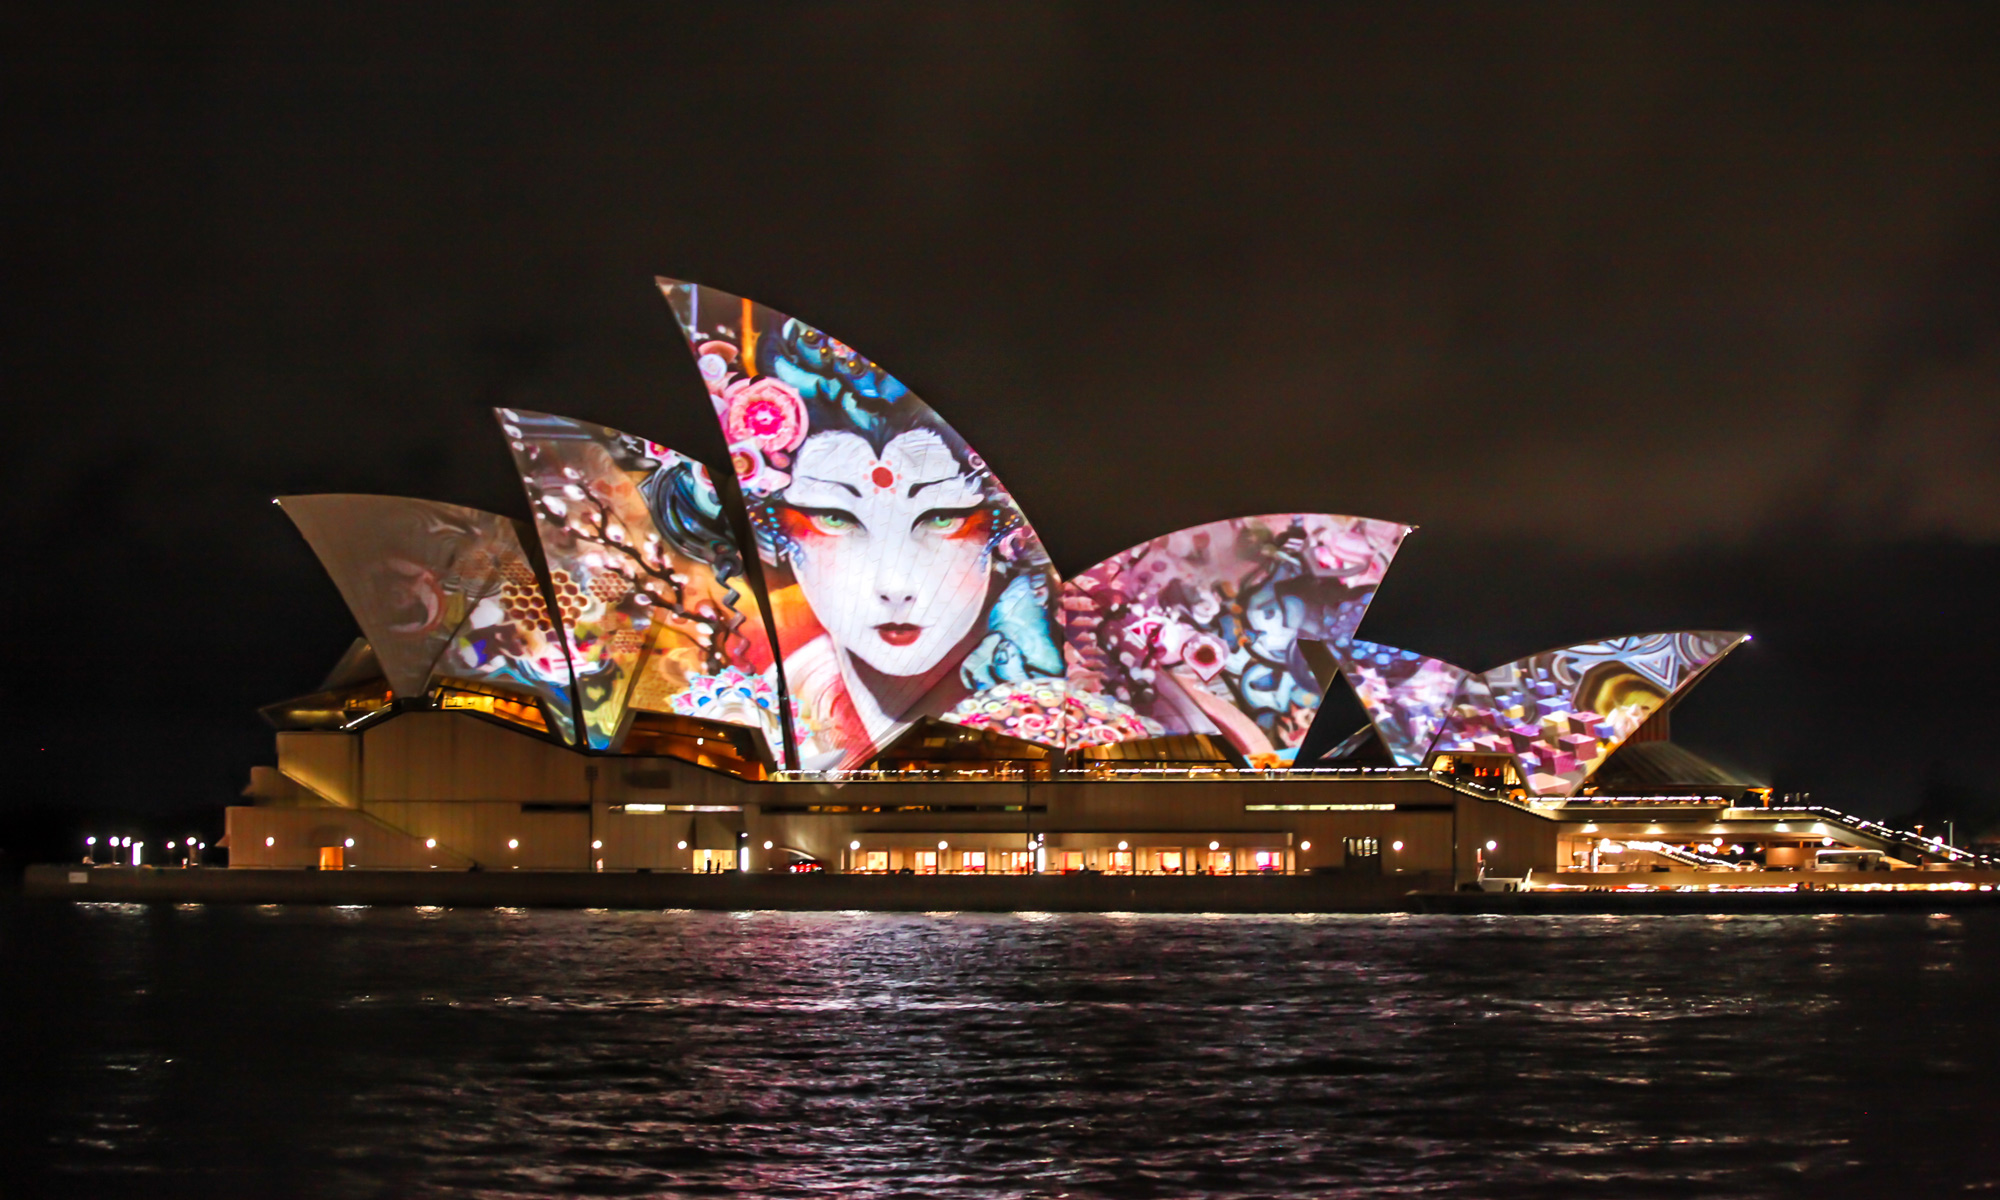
(1198, 631)
(904, 582)
(648, 578)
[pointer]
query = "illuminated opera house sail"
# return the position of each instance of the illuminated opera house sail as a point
(864, 603)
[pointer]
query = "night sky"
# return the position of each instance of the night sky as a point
(1651, 317)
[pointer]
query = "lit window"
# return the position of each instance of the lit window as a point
(1170, 862)
(927, 862)
(876, 861)
(974, 860)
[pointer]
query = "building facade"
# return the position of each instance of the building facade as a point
(852, 653)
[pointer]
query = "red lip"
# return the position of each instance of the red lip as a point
(899, 635)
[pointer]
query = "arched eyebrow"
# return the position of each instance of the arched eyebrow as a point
(851, 489)
(918, 487)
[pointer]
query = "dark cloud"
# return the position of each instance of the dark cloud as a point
(1652, 316)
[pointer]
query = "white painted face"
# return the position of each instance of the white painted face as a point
(891, 551)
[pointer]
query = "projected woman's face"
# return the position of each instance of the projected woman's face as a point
(891, 551)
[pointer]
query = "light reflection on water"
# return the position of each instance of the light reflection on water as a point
(395, 1051)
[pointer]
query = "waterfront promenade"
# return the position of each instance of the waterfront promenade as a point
(1319, 893)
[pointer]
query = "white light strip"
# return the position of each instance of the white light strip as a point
(1319, 808)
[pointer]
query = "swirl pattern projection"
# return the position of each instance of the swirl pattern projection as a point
(1558, 714)
(648, 578)
(1198, 631)
(441, 592)
(903, 580)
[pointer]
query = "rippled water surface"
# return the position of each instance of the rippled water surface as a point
(402, 1052)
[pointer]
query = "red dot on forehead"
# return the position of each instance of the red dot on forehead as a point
(883, 477)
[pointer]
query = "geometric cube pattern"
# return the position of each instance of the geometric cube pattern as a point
(1407, 695)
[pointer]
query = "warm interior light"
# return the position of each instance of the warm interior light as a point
(430, 843)
(854, 845)
(941, 845)
(1123, 846)
(680, 845)
(271, 841)
(1590, 828)
(1305, 845)
(350, 843)
(767, 845)
(1493, 845)
(1215, 845)
(1396, 846)
(513, 843)
(645, 808)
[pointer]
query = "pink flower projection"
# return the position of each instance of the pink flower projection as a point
(766, 413)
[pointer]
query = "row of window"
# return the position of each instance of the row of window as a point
(1141, 861)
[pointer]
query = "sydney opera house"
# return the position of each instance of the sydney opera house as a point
(851, 653)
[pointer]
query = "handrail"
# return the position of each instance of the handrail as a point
(1885, 833)
(1692, 858)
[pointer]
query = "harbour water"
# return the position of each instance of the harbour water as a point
(207, 1050)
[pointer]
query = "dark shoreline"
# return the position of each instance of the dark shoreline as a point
(950, 893)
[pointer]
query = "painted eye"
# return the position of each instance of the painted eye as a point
(833, 521)
(944, 522)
